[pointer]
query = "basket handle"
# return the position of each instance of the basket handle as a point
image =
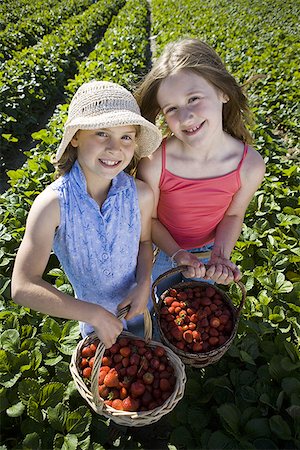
(101, 348)
(179, 269)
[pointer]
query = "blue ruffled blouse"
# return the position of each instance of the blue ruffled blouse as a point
(98, 247)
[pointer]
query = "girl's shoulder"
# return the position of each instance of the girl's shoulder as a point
(253, 167)
(149, 168)
(46, 206)
(144, 191)
(253, 159)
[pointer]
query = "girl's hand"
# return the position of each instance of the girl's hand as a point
(222, 270)
(137, 298)
(196, 267)
(107, 327)
(219, 273)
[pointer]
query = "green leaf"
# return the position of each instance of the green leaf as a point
(68, 442)
(5, 365)
(219, 440)
(53, 361)
(51, 394)
(257, 427)
(78, 421)
(182, 437)
(31, 441)
(10, 341)
(246, 357)
(29, 388)
(57, 417)
(280, 427)
(16, 410)
(230, 416)
(290, 385)
(33, 410)
(263, 444)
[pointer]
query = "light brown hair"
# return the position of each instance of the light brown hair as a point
(200, 58)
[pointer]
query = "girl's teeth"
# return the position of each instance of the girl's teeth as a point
(193, 129)
(109, 163)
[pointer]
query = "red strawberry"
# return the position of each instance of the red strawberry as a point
(87, 372)
(132, 370)
(84, 363)
(111, 379)
(188, 336)
(123, 341)
(172, 292)
(137, 389)
(177, 334)
(168, 301)
(182, 296)
(131, 404)
(117, 404)
(164, 385)
(107, 361)
(103, 391)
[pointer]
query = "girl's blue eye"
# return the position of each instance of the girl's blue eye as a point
(169, 110)
(127, 138)
(193, 99)
(101, 134)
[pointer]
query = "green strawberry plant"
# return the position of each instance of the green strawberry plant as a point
(250, 398)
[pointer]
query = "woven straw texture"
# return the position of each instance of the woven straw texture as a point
(202, 359)
(101, 104)
(132, 419)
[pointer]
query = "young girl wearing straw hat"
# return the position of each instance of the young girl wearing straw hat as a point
(96, 217)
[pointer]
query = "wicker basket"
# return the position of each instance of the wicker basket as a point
(202, 359)
(91, 395)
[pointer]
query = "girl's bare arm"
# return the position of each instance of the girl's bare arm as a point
(28, 286)
(229, 229)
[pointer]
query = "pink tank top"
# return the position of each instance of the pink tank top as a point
(191, 209)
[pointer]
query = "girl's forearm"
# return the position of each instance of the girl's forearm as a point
(163, 239)
(144, 263)
(41, 296)
(228, 232)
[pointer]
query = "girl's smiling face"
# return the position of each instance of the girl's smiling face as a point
(105, 152)
(192, 106)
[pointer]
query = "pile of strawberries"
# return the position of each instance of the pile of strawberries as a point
(195, 319)
(133, 375)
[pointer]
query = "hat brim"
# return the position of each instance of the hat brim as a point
(148, 140)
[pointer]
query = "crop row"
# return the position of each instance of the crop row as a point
(11, 11)
(26, 33)
(34, 79)
(249, 40)
(36, 386)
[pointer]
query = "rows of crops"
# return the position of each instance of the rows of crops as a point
(250, 399)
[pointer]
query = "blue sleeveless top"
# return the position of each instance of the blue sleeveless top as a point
(98, 247)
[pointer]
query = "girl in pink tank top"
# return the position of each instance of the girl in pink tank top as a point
(204, 174)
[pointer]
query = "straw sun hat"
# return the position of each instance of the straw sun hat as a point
(102, 104)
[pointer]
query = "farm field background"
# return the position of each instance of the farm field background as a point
(250, 398)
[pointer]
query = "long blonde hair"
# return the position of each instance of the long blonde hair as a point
(200, 58)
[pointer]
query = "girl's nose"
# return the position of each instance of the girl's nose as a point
(185, 114)
(111, 144)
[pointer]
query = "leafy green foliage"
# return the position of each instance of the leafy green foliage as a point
(250, 398)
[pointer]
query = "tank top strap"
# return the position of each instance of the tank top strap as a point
(243, 157)
(163, 155)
